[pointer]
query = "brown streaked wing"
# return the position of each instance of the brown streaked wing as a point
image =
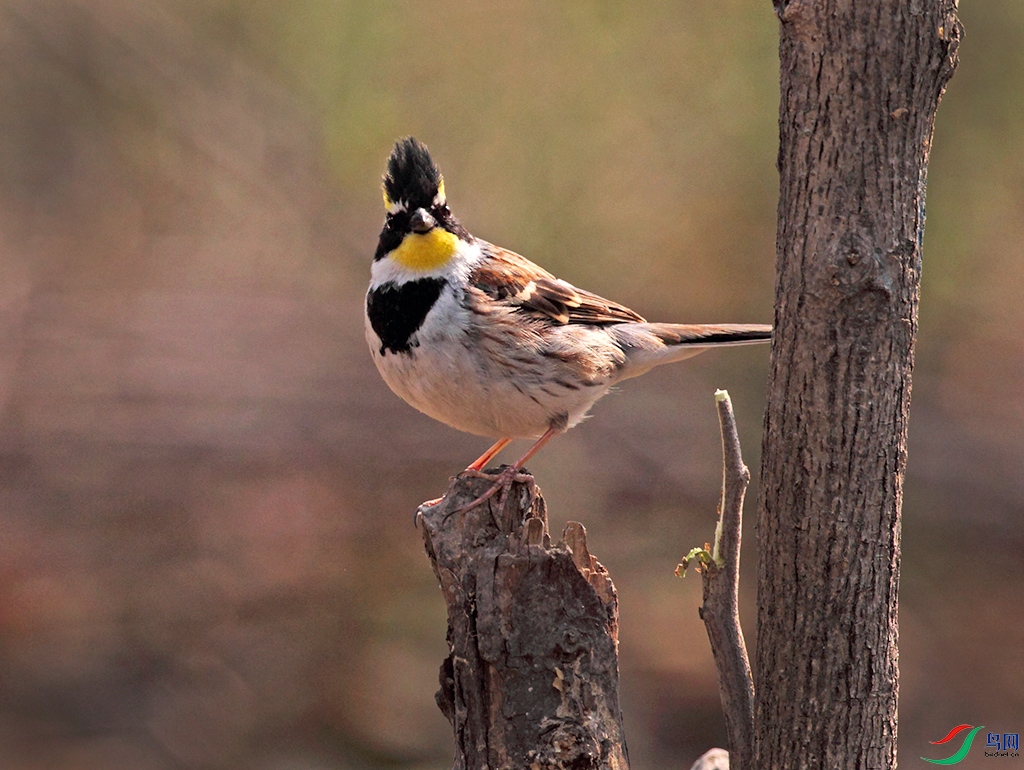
(508, 277)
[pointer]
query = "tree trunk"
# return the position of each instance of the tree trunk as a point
(860, 84)
(532, 677)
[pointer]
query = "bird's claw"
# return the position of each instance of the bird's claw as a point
(503, 482)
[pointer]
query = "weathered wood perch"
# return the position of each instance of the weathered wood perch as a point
(532, 677)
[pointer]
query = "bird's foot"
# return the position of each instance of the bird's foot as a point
(503, 481)
(418, 513)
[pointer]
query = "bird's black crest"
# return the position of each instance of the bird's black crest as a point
(412, 176)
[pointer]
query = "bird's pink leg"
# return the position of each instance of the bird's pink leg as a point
(486, 457)
(476, 466)
(510, 474)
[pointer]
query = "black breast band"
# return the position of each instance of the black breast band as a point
(397, 312)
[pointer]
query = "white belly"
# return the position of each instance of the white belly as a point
(493, 385)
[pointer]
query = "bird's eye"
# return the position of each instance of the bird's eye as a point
(396, 220)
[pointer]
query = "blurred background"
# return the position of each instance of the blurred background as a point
(206, 491)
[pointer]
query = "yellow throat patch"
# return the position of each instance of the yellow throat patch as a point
(426, 251)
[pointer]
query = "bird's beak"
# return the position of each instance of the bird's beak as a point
(421, 221)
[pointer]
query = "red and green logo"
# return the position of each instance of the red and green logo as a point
(964, 748)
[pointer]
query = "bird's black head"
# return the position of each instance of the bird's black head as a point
(412, 180)
(414, 197)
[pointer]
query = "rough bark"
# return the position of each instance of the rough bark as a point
(860, 84)
(532, 677)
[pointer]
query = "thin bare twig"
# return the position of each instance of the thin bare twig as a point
(720, 568)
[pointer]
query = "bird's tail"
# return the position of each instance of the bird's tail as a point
(650, 344)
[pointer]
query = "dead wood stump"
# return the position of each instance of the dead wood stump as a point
(532, 677)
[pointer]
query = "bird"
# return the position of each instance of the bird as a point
(484, 340)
